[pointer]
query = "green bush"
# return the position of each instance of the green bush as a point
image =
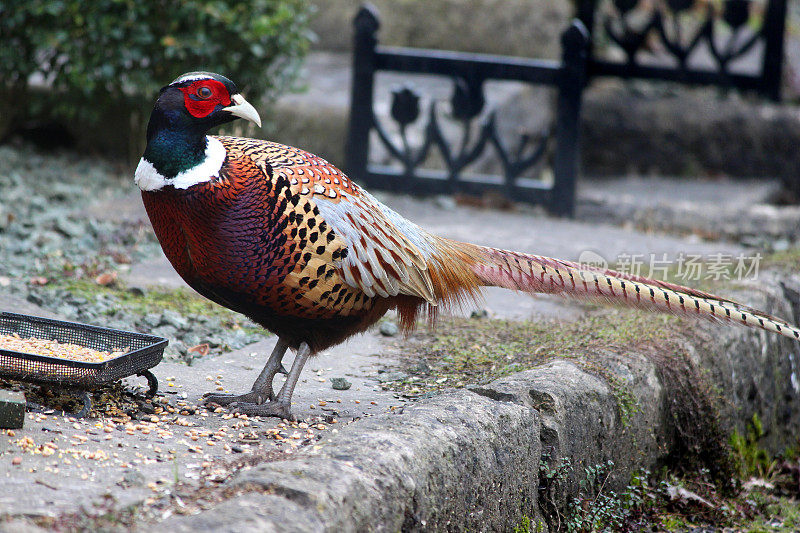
(104, 50)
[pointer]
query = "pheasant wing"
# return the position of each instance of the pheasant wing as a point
(387, 254)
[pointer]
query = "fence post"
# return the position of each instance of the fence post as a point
(585, 11)
(773, 27)
(366, 25)
(574, 43)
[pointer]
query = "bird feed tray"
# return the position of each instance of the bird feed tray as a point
(128, 353)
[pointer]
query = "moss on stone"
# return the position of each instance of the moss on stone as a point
(459, 352)
(152, 300)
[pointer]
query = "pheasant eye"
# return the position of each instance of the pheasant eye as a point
(204, 92)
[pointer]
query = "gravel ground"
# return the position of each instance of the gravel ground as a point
(42, 223)
(54, 255)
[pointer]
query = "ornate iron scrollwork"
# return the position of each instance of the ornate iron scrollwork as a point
(467, 103)
(664, 23)
(465, 144)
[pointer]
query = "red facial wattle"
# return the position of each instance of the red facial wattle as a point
(199, 102)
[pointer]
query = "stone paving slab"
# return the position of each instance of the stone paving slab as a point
(653, 191)
(458, 462)
(740, 211)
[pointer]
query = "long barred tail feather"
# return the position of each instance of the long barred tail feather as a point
(538, 274)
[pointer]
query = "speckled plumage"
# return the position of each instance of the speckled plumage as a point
(251, 241)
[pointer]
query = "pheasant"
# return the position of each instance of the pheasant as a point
(284, 237)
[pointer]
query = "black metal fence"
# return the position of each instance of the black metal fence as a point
(469, 73)
(682, 32)
(726, 30)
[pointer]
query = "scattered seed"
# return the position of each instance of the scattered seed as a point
(53, 348)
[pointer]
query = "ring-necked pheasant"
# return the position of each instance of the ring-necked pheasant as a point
(284, 237)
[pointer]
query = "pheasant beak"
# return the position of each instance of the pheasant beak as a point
(243, 109)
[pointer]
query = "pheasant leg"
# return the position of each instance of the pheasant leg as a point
(262, 388)
(280, 406)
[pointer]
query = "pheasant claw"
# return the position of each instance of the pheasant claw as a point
(252, 397)
(274, 408)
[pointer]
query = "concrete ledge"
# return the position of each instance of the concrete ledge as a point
(458, 461)
(692, 207)
(469, 459)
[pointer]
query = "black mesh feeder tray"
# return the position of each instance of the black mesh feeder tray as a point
(143, 353)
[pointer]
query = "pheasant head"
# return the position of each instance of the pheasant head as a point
(178, 151)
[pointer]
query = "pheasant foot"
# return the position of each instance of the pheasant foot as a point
(279, 406)
(252, 397)
(262, 388)
(273, 408)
